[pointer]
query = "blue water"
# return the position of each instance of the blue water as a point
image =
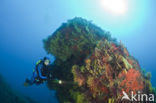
(25, 23)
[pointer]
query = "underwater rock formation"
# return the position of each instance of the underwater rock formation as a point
(7, 95)
(93, 66)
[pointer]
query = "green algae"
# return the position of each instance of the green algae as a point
(93, 66)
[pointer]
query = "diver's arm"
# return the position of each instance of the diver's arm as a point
(39, 72)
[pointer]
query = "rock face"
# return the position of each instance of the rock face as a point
(93, 66)
(7, 95)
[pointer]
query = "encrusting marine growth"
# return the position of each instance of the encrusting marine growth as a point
(93, 66)
(8, 95)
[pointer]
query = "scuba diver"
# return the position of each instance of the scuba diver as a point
(40, 73)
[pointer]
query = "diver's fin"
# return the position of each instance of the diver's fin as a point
(27, 83)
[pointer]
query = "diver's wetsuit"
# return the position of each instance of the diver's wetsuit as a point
(39, 73)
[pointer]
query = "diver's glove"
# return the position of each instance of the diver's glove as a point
(50, 77)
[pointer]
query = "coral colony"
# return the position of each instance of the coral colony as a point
(94, 67)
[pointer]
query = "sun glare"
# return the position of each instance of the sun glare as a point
(115, 6)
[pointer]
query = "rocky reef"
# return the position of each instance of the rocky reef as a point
(93, 66)
(7, 95)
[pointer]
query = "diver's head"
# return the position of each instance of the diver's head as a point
(46, 61)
